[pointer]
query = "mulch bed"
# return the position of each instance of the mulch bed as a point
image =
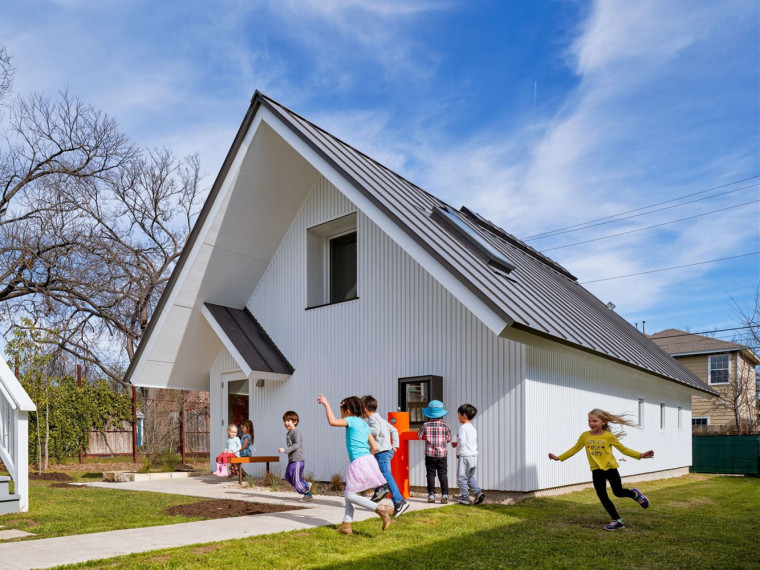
(49, 477)
(224, 508)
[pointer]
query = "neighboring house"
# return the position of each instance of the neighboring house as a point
(727, 367)
(314, 269)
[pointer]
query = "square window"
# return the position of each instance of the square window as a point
(414, 393)
(719, 369)
(331, 262)
(700, 421)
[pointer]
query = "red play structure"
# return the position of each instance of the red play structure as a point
(400, 461)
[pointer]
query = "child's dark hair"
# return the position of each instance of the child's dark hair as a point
(353, 405)
(369, 403)
(249, 425)
(468, 410)
(291, 415)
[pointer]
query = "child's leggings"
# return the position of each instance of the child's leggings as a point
(355, 499)
(294, 476)
(600, 478)
(225, 457)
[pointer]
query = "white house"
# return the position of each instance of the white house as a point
(313, 268)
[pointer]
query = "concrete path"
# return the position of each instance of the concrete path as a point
(49, 552)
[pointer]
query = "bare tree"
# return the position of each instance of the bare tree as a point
(90, 226)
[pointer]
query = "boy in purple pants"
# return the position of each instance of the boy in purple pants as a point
(294, 449)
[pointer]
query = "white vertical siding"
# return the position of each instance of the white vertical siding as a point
(560, 391)
(403, 324)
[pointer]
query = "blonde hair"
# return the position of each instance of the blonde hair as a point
(608, 418)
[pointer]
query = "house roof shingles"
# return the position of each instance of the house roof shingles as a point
(678, 342)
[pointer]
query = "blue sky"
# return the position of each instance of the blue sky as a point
(539, 115)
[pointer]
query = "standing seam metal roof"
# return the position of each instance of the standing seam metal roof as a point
(539, 296)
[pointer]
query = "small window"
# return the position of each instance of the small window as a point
(700, 421)
(718, 369)
(641, 412)
(414, 393)
(331, 265)
(662, 416)
(680, 418)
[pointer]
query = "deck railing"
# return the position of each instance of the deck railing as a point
(15, 406)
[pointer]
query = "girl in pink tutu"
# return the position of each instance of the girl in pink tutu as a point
(363, 472)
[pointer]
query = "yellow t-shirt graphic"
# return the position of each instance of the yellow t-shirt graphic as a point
(599, 450)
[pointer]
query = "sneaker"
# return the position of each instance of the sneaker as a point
(479, 498)
(444, 499)
(641, 498)
(379, 494)
(431, 498)
(400, 508)
(307, 497)
(463, 500)
(614, 525)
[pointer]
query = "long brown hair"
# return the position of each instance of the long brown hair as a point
(249, 425)
(353, 405)
(608, 418)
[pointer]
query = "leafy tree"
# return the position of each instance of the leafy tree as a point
(66, 413)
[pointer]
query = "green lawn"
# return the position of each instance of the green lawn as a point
(59, 509)
(695, 521)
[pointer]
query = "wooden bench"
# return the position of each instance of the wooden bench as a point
(254, 459)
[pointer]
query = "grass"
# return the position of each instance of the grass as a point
(695, 521)
(61, 510)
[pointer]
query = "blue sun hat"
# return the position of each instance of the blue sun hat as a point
(435, 409)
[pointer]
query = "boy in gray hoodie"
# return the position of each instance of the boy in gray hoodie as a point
(296, 457)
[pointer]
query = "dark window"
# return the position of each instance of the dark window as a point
(343, 268)
(719, 368)
(415, 392)
(700, 421)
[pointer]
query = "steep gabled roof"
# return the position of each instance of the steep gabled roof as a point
(679, 343)
(530, 293)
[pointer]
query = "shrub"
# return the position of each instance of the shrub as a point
(336, 483)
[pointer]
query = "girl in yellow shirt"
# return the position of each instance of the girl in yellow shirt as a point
(599, 442)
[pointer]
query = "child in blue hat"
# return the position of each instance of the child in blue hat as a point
(437, 436)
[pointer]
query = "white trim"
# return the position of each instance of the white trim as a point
(709, 370)
(701, 352)
(200, 241)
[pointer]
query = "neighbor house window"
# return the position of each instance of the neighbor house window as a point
(700, 421)
(331, 266)
(718, 369)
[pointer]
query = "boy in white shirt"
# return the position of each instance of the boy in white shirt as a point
(467, 456)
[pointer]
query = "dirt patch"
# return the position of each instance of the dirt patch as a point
(67, 486)
(206, 549)
(50, 477)
(224, 508)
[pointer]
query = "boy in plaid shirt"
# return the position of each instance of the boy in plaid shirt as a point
(437, 436)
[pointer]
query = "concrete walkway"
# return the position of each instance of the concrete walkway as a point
(49, 552)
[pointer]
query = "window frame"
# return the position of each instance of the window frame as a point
(699, 423)
(319, 268)
(710, 369)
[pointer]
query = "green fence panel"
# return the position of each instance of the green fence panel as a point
(738, 454)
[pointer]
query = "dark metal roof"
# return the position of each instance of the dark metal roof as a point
(250, 339)
(539, 296)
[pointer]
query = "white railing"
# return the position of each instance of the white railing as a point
(15, 406)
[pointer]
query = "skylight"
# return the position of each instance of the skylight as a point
(496, 259)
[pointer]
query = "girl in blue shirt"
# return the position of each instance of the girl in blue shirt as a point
(363, 472)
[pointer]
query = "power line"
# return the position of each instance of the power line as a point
(687, 333)
(671, 268)
(649, 227)
(561, 230)
(585, 227)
